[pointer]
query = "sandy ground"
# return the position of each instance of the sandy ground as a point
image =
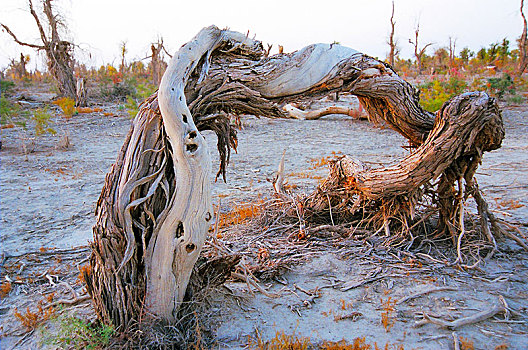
(47, 200)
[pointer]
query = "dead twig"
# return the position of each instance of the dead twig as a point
(463, 321)
(351, 316)
(424, 292)
(251, 281)
(73, 301)
(278, 182)
(456, 342)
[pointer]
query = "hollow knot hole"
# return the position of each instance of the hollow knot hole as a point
(190, 247)
(191, 147)
(184, 117)
(179, 230)
(208, 216)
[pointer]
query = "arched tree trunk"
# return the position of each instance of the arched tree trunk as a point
(466, 126)
(153, 213)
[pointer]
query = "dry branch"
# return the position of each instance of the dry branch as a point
(502, 307)
(297, 113)
(423, 292)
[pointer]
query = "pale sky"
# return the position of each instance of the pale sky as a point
(99, 26)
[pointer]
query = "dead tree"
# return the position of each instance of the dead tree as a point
(452, 52)
(59, 53)
(392, 44)
(418, 53)
(157, 65)
(154, 210)
(20, 67)
(523, 45)
(123, 50)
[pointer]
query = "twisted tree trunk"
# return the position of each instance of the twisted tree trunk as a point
(153, 213)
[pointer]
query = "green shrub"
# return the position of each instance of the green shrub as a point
(42, 118)
(12, 113)
(435, 93)
(76, 333)
(6, 87)
(501, 86)
(133, 101)
(516, 100)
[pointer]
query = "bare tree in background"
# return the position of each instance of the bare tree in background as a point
(523, 45)
(394, 51)
(418, 53)
(157, 64)
(20, 67)
(123, 50)
(58, 52)
(452, 52)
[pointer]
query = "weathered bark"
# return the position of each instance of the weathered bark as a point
(81, 97)
(465, 127)
(157, 65)
(153, 212)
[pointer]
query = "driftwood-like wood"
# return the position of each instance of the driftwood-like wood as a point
(297, 113)
(154, 209)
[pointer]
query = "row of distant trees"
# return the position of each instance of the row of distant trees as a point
(62, 66)
(70, 76)
(444, 59)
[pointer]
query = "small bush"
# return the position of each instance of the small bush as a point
(501, 86)
(6, 87)
(42, 118)
(435, 93)
(31, 319)
(516, 100)
(67, 105)
(11, 113)
(76, 333)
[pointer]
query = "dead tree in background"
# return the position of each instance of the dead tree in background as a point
(157, 64)
(392, 44)
(59, 53)
(523, 45)
(122, 50)
(154, 210)
(418, 53)
(20, 66)
(452, 52)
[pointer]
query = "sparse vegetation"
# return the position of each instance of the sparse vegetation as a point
(67, 105)
(13, 115)
(30, 319)
(76, 333)
(387, 314)
(436, 92)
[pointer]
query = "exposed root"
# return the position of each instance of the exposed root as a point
(502, 307)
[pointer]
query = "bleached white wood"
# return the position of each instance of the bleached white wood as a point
(170, 263)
